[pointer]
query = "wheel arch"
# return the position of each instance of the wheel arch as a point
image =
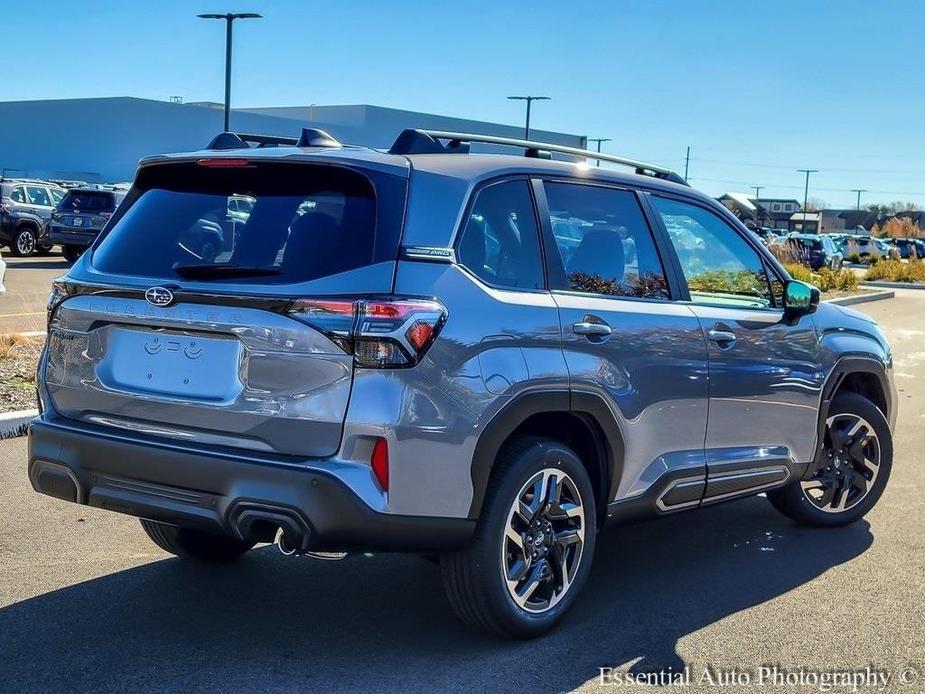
(865, 376)
(582, 421)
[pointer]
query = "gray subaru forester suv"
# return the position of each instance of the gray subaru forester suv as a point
(483, 357)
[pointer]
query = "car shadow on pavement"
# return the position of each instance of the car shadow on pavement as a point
(382, 623)
(52, 263)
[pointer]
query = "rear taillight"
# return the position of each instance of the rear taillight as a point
(4, 207)
(59, 292)
(380, 333)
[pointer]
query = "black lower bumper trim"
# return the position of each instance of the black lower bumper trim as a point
(223, 495)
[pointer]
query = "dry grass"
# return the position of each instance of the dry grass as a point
(897, 271)
(12, 345)
(844, 280)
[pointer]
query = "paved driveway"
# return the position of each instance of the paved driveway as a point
(28, 282)
(87, 603)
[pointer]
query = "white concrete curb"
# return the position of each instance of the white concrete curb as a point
(894, 285)
(14, 424)
(860, 298)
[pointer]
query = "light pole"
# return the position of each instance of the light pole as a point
(229, 18)
(806, 193)
(758, 192)
(859, 191)
(599, 140)
(529, 100)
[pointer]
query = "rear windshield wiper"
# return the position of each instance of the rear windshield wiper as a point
(221, 270)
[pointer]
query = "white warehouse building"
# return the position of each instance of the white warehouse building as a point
(102, 139)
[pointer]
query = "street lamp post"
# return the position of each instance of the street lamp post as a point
(599, 140)
(229, 18)
(806, 193)
(529, 100)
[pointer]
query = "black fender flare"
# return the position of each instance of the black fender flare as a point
(590, 406)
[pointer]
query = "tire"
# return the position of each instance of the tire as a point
(72, 253)
(194, 544)
(44, 251)
(856, 482)
(24, 242)
(474, 577)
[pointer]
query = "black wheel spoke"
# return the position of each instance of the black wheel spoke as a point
(848, 466)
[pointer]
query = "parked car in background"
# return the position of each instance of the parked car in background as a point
(818, 251)
(25, 207)
(861, 244)
(885, 248)
(908, 248)
(765, 234)
(80, 217)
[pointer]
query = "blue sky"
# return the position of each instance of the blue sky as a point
(757, 90)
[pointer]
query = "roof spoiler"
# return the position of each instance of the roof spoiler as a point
(413, 141)
(310, 137)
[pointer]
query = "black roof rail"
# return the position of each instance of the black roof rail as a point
(414, 141)
(310, 137)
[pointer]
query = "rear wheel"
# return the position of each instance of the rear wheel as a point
(72, 253)
(194, 544)
(24, 242)
(533, 547)
(851, 472)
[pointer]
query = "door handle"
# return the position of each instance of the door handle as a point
(724, 338)
(591, 329)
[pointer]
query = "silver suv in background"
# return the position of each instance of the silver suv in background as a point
(484, 357)
(25, 207)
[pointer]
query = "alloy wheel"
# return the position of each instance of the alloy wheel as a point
(543, 542)
(849, 465)
(25, 243)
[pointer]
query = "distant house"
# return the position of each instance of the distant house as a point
(835, 220)
(806, 222)
(745, 208)
(779, 211)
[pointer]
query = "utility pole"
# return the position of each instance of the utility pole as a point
(806, 193)
(859, 191)
(529, 100)
(758, 192)
(687, 161)
(599, 140)
(229, 18)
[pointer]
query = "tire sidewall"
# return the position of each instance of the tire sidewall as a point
(540, 455)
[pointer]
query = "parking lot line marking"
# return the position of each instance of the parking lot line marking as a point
(15, 315)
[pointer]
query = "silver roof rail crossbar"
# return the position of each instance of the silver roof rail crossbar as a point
(424, 141)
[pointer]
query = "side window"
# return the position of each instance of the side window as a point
(18, 195)
(56, 195)
(38, 196)
(720, 267)
(500, 243)
(604, 241)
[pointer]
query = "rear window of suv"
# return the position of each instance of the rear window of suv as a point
(265, 222)
(87, 201)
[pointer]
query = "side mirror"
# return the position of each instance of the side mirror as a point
(800, 298)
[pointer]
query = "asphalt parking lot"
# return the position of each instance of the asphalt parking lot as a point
(28, 281)
(88, 603)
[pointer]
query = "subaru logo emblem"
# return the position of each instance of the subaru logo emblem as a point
(159, 296)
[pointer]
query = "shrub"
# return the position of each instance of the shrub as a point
(825, 279)
(897, 271)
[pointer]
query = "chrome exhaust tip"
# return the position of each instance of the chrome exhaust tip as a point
(285, 544)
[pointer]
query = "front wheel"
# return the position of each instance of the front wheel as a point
(851, 472)
(194, 544)
(533, 546)
(24, 242)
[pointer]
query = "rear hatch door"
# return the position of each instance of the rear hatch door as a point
(178, 323)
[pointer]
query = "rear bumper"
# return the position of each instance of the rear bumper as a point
(223, 494)
(67, 237)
